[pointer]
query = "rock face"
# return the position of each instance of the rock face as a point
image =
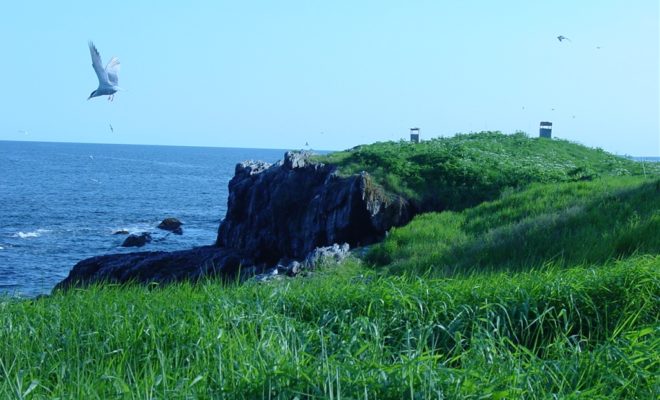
(137, 240)
(327, 254)
(275, 212)
(157, 266)
(319, 256)
(290, 208)
(171, 224)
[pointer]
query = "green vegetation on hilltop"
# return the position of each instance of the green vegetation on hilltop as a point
(464, 170)
(549, 289)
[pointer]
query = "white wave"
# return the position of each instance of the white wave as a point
(132, 229)
(33, 234)
(25, 235)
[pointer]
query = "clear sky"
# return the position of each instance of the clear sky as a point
(333, 74)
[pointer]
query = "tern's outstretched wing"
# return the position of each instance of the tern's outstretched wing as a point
(96, 63)
(112, 70)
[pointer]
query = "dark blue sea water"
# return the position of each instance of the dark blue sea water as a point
(61, 202)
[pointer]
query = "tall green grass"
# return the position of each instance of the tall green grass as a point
(562, 224)
(582, 332)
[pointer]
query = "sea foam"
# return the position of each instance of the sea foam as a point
(33, 234)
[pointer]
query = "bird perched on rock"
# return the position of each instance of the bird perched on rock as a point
(108, 78)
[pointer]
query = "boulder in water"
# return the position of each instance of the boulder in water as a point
(171, 224)
(137, 240)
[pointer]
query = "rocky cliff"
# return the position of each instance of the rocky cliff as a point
(275, 212)
(290, 208)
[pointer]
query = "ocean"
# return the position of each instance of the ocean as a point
(61, 203)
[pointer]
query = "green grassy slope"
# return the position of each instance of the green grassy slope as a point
(560, 224)
(464, 170)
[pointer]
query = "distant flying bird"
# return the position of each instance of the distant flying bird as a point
(561, 38)
(111, 128)
(108, 78)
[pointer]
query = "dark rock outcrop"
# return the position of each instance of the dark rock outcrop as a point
(290, 208)
(157, 266)
(171, 224)
(275, 212)
(121, 232)
(134, 240)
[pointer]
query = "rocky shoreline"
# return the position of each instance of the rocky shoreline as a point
(281, 219)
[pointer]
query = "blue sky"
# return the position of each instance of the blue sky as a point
(332, 74)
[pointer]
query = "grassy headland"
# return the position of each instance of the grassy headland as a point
(542, 282)
(465, 170)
